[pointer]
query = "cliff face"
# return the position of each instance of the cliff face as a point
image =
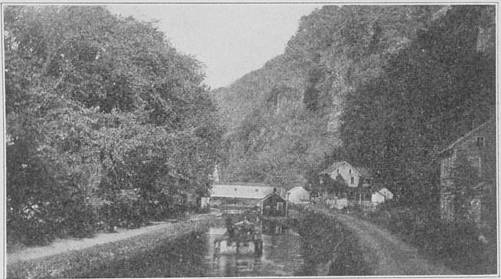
(283, 119)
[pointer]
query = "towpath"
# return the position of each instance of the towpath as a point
(71, 257)
(386, 253)
(71, 244)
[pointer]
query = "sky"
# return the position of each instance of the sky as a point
(230, 40)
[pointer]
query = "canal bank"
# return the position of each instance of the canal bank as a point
(75, 258)
(308, 244)
(382, 251)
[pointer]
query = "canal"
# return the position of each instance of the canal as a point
(308, 246)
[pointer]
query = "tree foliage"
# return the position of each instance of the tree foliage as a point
(429, 94)
(103, 115)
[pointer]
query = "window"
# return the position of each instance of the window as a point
(479, 166)
(352, 180)
(476, 162)
(280, 205)
(257, 190)
(480, 141)
(350, 171)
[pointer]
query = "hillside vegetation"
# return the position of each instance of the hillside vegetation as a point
(384, 87)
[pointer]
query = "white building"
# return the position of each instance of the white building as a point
(298, 195)
(381, 196)
(350, 174)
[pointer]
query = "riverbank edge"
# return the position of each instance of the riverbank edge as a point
(368, 256)
(75, 262)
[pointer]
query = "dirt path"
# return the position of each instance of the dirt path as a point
(73, 244)
(387, 254)
(70, 258)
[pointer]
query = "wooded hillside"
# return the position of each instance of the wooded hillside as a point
(343, 84)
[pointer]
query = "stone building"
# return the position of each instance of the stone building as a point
(479, 148)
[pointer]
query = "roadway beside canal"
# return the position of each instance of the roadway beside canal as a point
(383, 251)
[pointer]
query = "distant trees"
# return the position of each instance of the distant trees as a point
(107, 124)
(429, 94)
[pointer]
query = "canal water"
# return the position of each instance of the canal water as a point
(305, 247)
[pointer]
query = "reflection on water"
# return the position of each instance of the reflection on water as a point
(306, 249)
(280, 256)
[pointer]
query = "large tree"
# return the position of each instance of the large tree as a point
(101, 110)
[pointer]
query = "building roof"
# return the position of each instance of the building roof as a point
(297, 188)
(384, 192)
(333, 167)
(246, 191)
(361, 170)
(271, 195)
(243, 184)
(467, 135)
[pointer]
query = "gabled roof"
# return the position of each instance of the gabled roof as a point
(384, 192)
(467, 135)
(270, 195)
(333, 167)
(361, 170)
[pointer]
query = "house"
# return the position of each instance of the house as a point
(347, 181)
(478, 148)
(241, 194)
(380, 196)
(352, 176)
(298, 195)
(273, 205)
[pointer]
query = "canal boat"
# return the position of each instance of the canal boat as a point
(240, 237)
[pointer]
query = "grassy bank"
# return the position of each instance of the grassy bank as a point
(77, 263)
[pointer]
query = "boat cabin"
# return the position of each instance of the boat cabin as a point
(273, 205)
